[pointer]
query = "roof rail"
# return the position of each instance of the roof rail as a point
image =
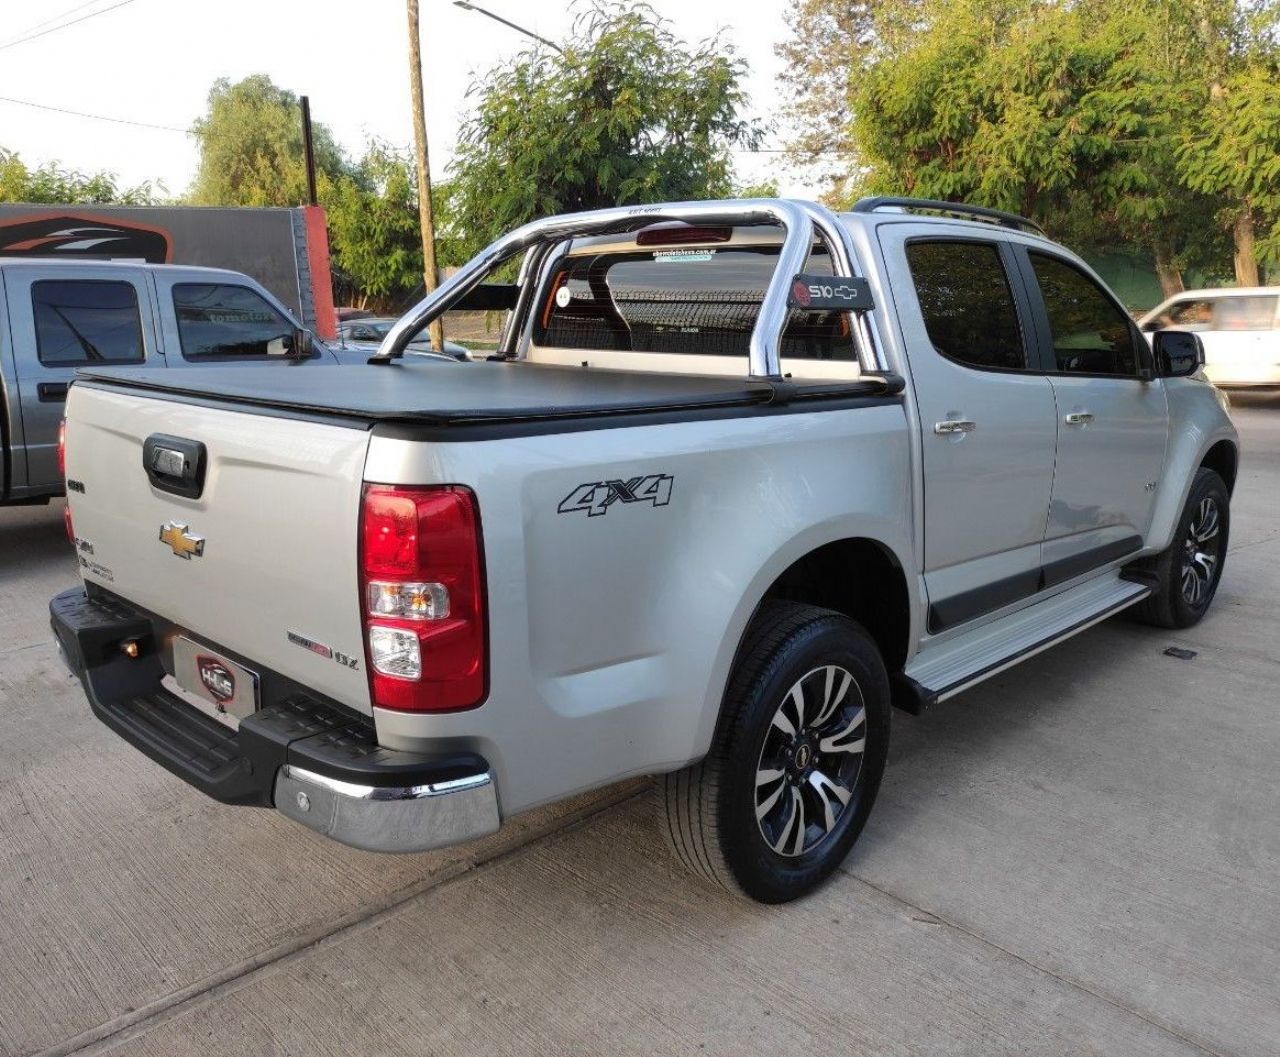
(961, 209)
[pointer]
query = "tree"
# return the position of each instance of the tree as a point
(830, 41)
(1231, 150)
(1151, 123)
(373, 226)
(628, 113)
(251, 149)
(50, 183)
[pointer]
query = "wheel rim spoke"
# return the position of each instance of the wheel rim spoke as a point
(766, 805)
(835, 689)
(826, 790)
(837, 743)
(791, 838)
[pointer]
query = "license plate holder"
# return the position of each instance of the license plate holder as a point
(228, 690)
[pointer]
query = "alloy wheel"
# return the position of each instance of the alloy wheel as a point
(810, 761)
(1201, 552)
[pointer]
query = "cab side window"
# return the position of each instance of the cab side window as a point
(223, 321)
(967, 303)
(1091, 334)
(83, 321)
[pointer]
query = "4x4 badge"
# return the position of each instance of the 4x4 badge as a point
(596, 497)
(180, 539)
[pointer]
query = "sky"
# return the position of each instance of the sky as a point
(153, 61)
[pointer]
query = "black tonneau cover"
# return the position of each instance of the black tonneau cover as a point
(445, 394)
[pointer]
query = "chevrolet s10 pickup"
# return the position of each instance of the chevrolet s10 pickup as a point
(740, 477)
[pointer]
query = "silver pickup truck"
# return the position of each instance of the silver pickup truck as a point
(59, 315)
(741, 476)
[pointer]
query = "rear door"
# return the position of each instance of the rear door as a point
(1241, 346)
(62, 317)
(1112, 422)
(986, 418)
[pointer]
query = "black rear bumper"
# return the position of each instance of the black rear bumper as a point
(293, 728)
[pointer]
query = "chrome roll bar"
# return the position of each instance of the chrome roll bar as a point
(800, 222)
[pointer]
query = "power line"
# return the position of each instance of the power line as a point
(49, 21)
(98, 117)
(64, 25)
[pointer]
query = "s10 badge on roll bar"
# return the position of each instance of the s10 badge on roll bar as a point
(830, 293)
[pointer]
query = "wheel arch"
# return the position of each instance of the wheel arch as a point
(860, 575)
(1224, 459)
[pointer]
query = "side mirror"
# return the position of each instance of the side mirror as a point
(297, 345)
(303, 346)
(1178, 353)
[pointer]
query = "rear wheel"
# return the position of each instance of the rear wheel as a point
(1188, 572)
(796, 762)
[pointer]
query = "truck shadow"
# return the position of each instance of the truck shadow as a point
(32, 540)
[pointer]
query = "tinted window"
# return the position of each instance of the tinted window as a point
(1091, 335)
(967, 304)
(682, 299)
(218, 320)
(86, 321)
(1189, 314)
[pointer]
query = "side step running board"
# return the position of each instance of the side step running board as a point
(949, 667)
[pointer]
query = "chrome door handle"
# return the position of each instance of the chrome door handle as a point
(1078, 418)
(954, 425)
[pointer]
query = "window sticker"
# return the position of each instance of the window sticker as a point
(667, 256)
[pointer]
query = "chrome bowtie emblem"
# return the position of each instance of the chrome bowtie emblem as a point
(183, 543)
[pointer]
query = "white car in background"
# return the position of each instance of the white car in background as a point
(1240, 329)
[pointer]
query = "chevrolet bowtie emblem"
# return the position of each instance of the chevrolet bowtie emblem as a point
(184, 544)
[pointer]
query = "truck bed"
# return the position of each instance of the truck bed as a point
(476, 394)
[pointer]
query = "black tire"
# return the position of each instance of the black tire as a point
(708, 812)
(1172, 604)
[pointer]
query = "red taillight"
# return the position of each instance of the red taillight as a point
(678, 233)
(62, 472)
(422, 594)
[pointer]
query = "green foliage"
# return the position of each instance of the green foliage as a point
(1232, 150)
(1153, 123)
(762, 189)
(251, 148)
(374, 231)
(628, 113)
(50, 183)
(830, 42)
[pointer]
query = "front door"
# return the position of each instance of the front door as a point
(986, 419)
(1112, 422)
(63, 317)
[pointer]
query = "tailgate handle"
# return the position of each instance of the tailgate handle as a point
(174, 464)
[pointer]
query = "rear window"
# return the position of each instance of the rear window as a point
(223, 321)
(81, 321)
(681, 299)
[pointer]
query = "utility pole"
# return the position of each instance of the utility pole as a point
(309, 150)
(436, 329)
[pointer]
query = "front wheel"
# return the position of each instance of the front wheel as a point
(796, 761)
(1187, 573)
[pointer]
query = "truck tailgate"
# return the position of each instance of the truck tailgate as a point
(278, 516)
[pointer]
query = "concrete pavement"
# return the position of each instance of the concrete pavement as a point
(1079, 856)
